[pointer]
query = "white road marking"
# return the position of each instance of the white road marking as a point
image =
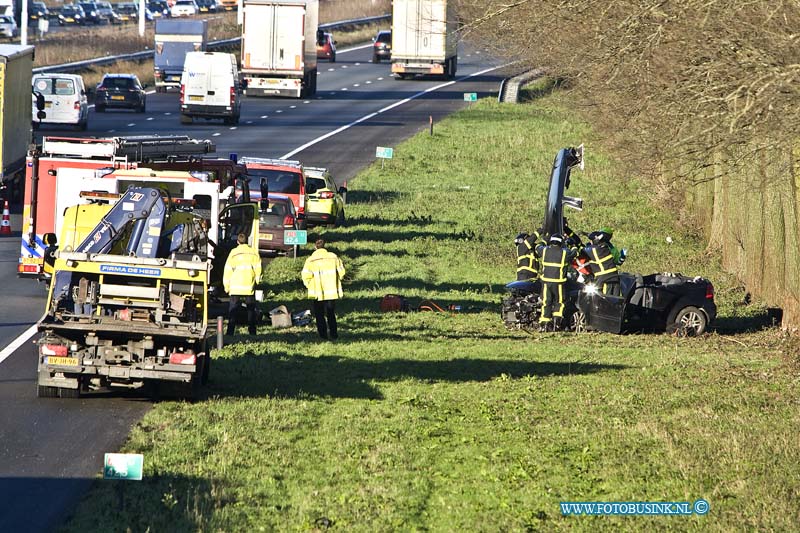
(292, 106)
(132, 124)
(279, 111)
(344, 66)
(344, 88)
(356, 85)
(167, 113)
(332, 94)
(149, 118)
(306, 101)
(379, 79)
(385, 109)
(18, 342)
(357, 64)
(111, 131)
(249, 122)
(264, 116)
(331, 69)
(217, 134)
(232, 128)
(367, 82)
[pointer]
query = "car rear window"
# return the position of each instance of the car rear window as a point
(278, 181)
(54, 86)
(314, 184)
(118, 83)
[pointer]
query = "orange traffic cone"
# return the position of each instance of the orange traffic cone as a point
(5, 226)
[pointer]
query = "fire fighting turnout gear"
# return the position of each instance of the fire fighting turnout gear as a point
(527, 261)
(604, 268)
(555, 260)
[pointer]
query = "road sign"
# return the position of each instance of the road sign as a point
(123, 466)
(470, 97)
(383, 152)
(295, 236)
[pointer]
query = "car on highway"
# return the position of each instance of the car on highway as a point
(210, 87)
(107, 13)
(92, 11)
(159, 8)
(8, 27)
(120, 91)
(326, 47)
(129, 12)
(71, 14)
(184, 8)
(283, 177)
(64, 100)
(276, 216)
(325, 201)
(206, 6)
(382, 46)
(38, 10)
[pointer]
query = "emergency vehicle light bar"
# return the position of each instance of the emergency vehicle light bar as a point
(267, 161)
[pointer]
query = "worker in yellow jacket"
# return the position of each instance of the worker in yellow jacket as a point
(242, 272)
(322, 275)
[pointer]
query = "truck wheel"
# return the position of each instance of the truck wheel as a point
(688, 321)
(43, 391)
(185, 119)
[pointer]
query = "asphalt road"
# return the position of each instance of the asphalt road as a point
(51, 449)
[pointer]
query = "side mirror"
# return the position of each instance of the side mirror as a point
(373, 39)
(50, 239)
(335, 42)
(301, 216)
(39, 102)
(144, 86)
(342, 190)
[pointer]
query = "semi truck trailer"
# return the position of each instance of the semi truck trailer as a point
(424, 38)
(173, 39)
(16, 63)
(279, 50)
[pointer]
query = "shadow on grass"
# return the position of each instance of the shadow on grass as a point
(768, 318)
(334, 376)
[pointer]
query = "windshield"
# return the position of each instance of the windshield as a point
(6, 19)
(278, 181)
(384, 37)
(54, 86)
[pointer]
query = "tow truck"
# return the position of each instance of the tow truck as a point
(127, 306)
(54, 172)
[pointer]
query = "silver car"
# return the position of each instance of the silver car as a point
(8, 28)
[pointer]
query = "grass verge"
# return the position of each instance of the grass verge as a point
(447, 421)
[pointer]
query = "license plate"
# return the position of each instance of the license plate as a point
(48, 105)
(62, 361)
(267, 236)
(203, 9)
(70, 20)
(195, 98)
(31, 260)
(118, 98)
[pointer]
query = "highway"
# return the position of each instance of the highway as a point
(52, 449)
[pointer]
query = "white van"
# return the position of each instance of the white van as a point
(210, 87)
(64, 100)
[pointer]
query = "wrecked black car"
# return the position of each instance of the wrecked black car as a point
(656, 302)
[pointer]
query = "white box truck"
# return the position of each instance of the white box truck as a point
(173, 39)
(16, 64)
(424, 38)
(279, 50)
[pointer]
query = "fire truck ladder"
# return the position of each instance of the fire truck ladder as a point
(138, 148)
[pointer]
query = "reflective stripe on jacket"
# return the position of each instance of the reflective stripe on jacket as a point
(554, 264)
(601, 259)
(242, 271)
(322, 275)
(527, 262)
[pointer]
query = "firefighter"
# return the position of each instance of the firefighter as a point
(527, 262)
(242, 273)
(604, 259)
(572, 238)
(555, 258)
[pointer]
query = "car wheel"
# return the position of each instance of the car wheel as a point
(376, 59)
(333, 58)
(577, 322)
(687, 322)
(142, 108)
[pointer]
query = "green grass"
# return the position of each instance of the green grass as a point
(447, 422)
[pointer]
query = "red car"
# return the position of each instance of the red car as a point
(282, 177)
(275, 217)
(326, 47)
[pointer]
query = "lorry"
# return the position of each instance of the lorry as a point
(279, 51)
(128, 304)
(55, 170)
(173, 39)
(424, 38)
(16, 64)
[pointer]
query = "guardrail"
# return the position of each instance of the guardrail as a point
(224, 43)
(509, 87)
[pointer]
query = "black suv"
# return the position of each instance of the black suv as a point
(206, 6)
(92, 11)
(382, 46)
(122, 91)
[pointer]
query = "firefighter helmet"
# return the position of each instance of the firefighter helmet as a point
(519, 239)
(556, 239)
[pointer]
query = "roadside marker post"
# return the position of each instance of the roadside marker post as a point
(470, 97)
(383, 153)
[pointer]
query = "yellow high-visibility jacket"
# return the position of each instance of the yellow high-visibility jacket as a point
(322, 275)
(242, 271)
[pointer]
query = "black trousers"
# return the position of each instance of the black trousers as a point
(233, 308)
(552, 301)
(325, 311)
